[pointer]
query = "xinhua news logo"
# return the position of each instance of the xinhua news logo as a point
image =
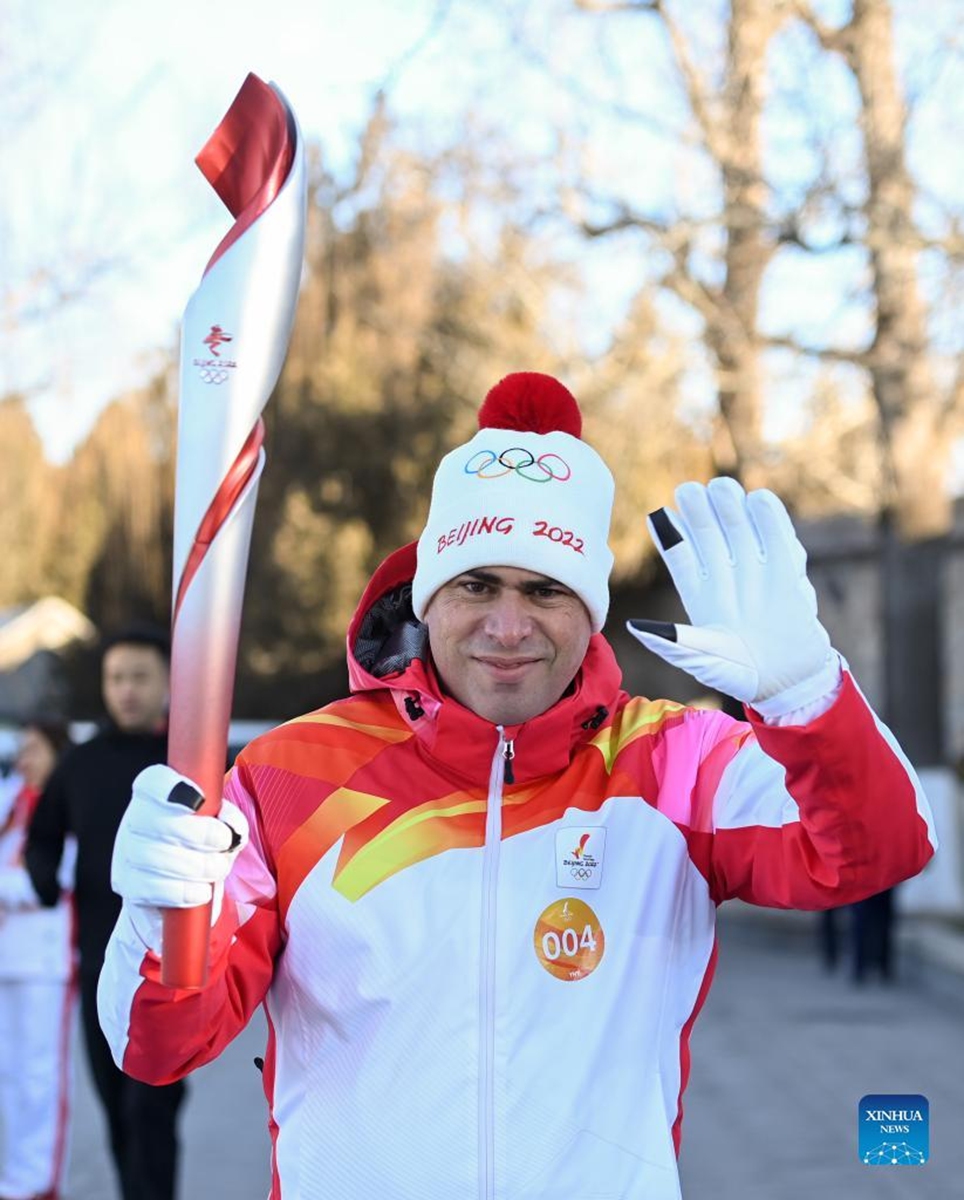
(894, 1131)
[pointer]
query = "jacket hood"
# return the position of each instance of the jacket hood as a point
(388, 650)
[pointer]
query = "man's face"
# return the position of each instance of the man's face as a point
(135, 686)
(507, 642)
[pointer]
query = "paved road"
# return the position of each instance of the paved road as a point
(783, 1053)
(781, 1056)
(225, 1140)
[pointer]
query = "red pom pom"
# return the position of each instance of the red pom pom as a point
(531, 403)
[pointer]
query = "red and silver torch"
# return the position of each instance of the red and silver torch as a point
(234, 338)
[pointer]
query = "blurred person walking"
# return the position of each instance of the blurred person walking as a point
(873, 937)
(86, 797)
(37, 987)
(869, 928)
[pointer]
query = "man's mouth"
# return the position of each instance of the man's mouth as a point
(507, 668)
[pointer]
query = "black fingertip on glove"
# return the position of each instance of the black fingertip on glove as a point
(182, 793)
(669, 536)
(663, 629)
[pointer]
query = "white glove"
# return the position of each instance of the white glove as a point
(740, 572)
(166, 856)
(16, 890)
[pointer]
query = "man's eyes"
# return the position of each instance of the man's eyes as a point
(479, 587)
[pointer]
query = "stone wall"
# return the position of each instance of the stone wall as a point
(843, 565)
(952, 593)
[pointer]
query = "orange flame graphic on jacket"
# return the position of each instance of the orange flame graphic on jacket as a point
(582, 845)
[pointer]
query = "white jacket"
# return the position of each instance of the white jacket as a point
(35, 942)
(484, 990)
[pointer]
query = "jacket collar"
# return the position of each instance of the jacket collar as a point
(458, 737)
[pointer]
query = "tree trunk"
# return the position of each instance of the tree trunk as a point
(916, 450)
(734, 338)
(916, 505)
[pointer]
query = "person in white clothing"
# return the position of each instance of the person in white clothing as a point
(477, 897)
(37, 989)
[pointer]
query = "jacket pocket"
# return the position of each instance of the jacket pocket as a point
(591, 1168)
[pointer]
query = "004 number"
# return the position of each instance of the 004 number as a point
(569, 943)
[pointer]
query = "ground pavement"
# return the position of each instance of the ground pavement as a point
(781, 1056)
(783, 1053)
(224, 1136)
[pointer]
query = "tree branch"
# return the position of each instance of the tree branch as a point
(789, 233)
(854, 358)
(625, 219)
(696, 91)
(614, 6)
(835, 38)
(952, 411)
(574, 85)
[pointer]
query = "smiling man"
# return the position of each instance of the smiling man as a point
(477, 897)
(508, 642)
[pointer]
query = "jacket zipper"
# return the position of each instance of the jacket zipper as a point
(508, 754)
(501, 766)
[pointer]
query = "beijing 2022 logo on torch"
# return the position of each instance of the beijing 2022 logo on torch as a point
(894, 1131)
(215, 369)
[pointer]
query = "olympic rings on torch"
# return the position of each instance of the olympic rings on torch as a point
(486, 464)
(216, 375)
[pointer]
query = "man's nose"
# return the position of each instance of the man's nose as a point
(509, 621)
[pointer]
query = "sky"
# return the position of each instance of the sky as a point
(118, 97)
(107, 103)
(118, 100)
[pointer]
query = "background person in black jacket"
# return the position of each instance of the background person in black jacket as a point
(86, 796)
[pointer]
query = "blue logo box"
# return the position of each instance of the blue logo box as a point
(894, 1131)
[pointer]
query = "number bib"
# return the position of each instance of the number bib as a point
(568, 939)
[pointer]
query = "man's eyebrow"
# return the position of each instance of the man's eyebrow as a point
(531, 585)
(527, 585)
(481, 576)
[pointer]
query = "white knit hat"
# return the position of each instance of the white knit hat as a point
(524, 492)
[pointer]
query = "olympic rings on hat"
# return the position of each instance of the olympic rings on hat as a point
(546, 467)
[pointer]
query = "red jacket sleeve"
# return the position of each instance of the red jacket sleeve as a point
(158, 1034)
(818, 815)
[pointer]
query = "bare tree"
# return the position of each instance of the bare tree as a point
(917, 417)
(26, 496)
(51, 253)
(725, 103)
(853, 208)
(404, 321)
(724, 69)
(105, 529)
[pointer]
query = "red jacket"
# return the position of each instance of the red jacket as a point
(485, 988)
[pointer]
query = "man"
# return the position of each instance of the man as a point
(477, 898)
(86, 796)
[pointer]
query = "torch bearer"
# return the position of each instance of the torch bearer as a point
(233, 342)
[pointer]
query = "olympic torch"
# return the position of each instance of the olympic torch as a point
(234, 337)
